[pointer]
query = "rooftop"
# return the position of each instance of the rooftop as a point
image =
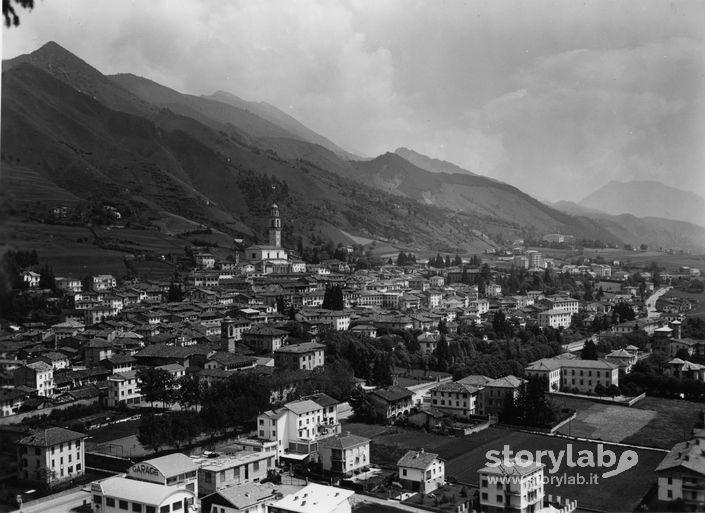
(50, 437)
(314, 497)
(417, 459)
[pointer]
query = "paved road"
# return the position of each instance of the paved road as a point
(651, 301)
(64, 502)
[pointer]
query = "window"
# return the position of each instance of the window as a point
(150, 509)
(37, 452)
(177, 506)
(164, 509)
(122, 504)
(403, 472)
(137, 507)
(78, 467)
(255, 466)
(484, 496)
(500, 498)
(96, 499)
(71, 469)
(109, 501)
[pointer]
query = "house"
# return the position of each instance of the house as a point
(681, 474)
(205, 260)
(38, 375)
(173, 471)
(624, 359)
(683, 369)
(233, 469)
(304, 356)
(243, 498)
(298, 425)
(512, 487)
(54, 358)
(344, 454)
(314, 498)
(421, 471)
(11, 401)
(264, 339)
(496, 393)
(31, 278)
(366, 330)
(103, 282)
(455, 398)
(391, 402)
(123, 388)
(68, 284)
(51, 456)
(555, 318)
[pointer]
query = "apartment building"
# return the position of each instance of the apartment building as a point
(344, 454)
(421, 471)
(51, 456)
(511, 487)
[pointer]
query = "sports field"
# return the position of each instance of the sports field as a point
(466, 455)
(652, 422)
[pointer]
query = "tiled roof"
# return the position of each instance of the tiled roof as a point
(343, 441)
(417, 459)
(304, 347)
(50, 437)
(393, 393)
(688, 455)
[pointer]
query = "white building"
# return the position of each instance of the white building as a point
(344, 454)
(103, 282)
(681, 474)
(555, 319)
(304, 356)
(232, 469)
(454, 398)
(315, 498)
(123, 387)
(583, 375)
(511, 487)
(421, 471)
(51, 456)
(38, 375)
(298, 425)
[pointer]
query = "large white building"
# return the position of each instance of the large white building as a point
(583, 375)
(511, 487)
(271, 255)
(344, 454)
(298, 425)
(555, 319)
(51, 456)
(315, 498)
(161, 485)
(681, 474)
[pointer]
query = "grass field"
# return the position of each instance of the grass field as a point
(673, 422)
(652, 422)
(466, 455)
(625, 490)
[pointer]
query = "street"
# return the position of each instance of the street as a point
(63, 502)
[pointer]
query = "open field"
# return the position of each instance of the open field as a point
(625, 490)
(68, 249)
(652, 422)
(673, 422)
(466, 455)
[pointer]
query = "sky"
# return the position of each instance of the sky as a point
(556, 97)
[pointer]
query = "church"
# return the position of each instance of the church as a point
(270, 258)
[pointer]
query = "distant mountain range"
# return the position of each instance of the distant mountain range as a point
(70, 133)
(647, 199)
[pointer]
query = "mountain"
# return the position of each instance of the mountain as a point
(475, 195)
(572, 208)
(648, 199)
(64, 147)
(282, 119)
(431, 164)
(81, 76)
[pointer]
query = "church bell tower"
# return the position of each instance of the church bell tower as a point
(275, 227)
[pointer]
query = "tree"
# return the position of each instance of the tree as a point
(175, 294)
(188, 390)
(46, 278)
(589, 351)
(156, 385)
(600, 389)
(153, 431)
(333, 298)
(184, 427)
(9, 13)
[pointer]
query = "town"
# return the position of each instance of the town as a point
(269, 379)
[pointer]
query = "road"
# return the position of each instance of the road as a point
(651, 301)
(64, 502)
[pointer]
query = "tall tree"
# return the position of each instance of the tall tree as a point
(333, 298)
(156, 385)
(589, 351)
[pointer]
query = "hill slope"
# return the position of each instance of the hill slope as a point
(648, 199)
(475, 195)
